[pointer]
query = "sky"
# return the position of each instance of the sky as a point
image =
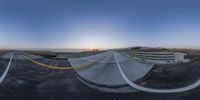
(104, 24)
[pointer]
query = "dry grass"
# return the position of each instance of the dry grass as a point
(3, 51)
(79, 54)
(47, 54)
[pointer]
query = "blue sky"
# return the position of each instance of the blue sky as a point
(99, 23)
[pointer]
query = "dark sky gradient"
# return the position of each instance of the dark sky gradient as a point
(99, 23)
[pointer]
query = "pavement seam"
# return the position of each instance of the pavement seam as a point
(151, 90)
(7, 69)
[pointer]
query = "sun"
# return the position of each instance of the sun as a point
(93, 47)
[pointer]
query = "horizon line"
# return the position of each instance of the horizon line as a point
(95, 48)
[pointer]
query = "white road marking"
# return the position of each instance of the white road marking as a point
(138, 87)
(6, 71)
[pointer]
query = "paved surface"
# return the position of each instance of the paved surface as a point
(7, 68)
(152, 90)
(104, 70)
(116, 69)
(26, 80)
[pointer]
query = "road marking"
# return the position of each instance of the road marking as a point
(138, 87)
(58, 67)
(6, 71)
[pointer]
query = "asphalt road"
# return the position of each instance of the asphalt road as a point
(104, 72)
(26, 80)
(119, 70)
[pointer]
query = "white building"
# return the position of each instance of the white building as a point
(161, 57)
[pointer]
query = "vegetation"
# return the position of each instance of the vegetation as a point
(49, 54)
(46, 54)
(3, 51)
(78, 54)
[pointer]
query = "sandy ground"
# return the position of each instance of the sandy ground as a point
(26, 81)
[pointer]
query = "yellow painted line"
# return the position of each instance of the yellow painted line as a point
(57, 67)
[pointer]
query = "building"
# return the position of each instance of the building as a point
(161, 57)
